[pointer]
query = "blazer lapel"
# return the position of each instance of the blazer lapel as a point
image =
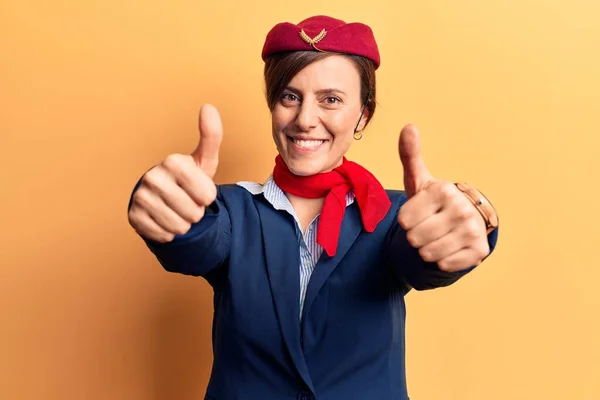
(283, 262)
(351, 228)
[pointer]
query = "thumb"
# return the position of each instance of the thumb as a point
(206, 154)
(416, 174)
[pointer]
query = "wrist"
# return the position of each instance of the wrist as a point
(482, 204)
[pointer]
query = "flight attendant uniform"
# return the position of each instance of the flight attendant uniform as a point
(313, 315)
(290, 325)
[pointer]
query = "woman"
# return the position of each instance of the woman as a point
(310, 269)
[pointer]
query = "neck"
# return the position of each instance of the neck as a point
(306, 209)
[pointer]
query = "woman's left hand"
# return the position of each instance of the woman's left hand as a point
(439, 219)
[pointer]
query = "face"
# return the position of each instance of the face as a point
(315, 116)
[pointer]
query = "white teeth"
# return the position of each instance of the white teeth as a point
(307, 144)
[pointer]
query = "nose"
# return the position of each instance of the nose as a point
(307, 117)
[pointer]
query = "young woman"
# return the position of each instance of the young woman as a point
(310, 269)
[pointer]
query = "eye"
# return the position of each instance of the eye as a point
(289, 97)
(332, 100)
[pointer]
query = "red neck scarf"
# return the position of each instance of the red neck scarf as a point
(371, 197)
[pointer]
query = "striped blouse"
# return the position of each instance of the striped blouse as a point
(310, 250)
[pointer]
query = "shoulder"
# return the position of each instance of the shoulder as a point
(232, 191)
(240, 192)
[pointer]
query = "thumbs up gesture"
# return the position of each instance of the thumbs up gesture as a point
(438, 218)
(173, 195)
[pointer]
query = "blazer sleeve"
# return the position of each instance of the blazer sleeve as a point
(409, 267)
(200, 251)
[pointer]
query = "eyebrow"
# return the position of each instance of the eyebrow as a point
(319, 92)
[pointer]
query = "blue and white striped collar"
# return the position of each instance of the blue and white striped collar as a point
(274, 195)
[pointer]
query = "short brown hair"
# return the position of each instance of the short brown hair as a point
(281, 68)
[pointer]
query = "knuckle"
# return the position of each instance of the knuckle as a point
(472, 229)
(447, 190)
(133, 217)
(198, 215)
(402, 220)
(426, 254)
(464, 211)
(140, 225)
(173, 162)
(141, 199)
(166, 237)
(412, 239)
(210, 193)
(182, 228)
(445, 266)
(151, 179)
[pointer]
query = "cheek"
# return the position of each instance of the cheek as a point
(341, 126)
(278, 123)
(347, 119)
(342, 143)
(275, 120)
(281, 119)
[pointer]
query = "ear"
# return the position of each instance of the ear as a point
(363, 120)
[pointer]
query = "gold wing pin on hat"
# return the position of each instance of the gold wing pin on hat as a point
(314, 40)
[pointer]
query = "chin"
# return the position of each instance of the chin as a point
(304, 167)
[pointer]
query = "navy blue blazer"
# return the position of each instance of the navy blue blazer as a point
(349, 342)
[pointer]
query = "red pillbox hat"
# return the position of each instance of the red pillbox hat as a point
(322, 33)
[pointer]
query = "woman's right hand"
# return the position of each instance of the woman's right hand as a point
(173, 195)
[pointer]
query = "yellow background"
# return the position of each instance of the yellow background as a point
(92, 93)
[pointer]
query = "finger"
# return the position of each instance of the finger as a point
(416, 174)
(431, 229)
(177, 199)
(418, 209)
(164, 216)
(430, 200)
(199, 187)
(443, 247)
(211, 136)
(191, 179)
(461, 260)
(183, 205)
(145, 226)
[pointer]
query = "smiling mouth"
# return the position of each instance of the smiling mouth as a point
(307, 144)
